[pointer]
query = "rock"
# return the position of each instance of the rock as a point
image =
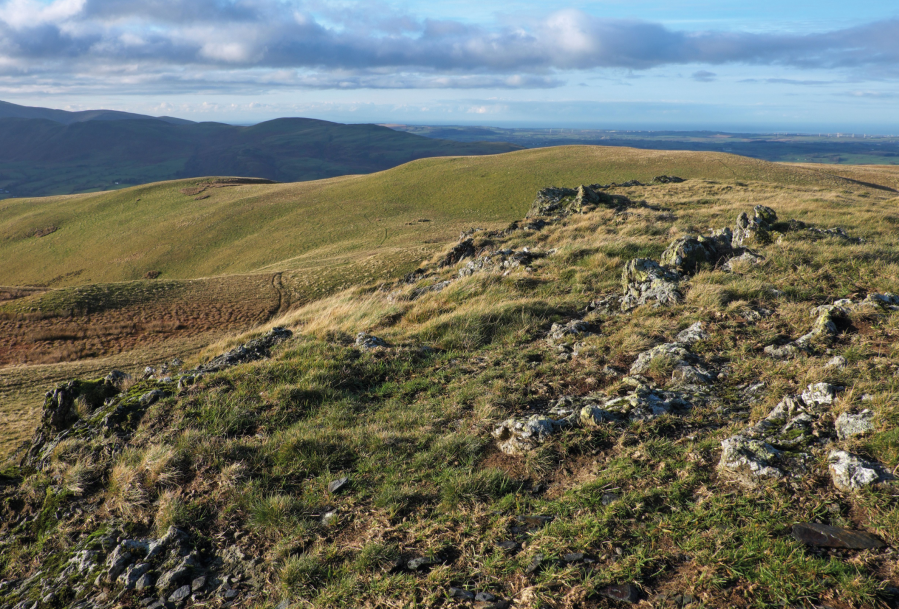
(118, 561)
(85, 561)
(328, 518)
(256, 349)
(826, 536)
(464, 249)
(484, 597)
(573, 557)
(461, 594)
(367, 342)
(684, 365)
(691, 335)
(573, 329)
(755, 231)
(176, 576)
(172, 537)
(625, 593)
(419, 563)
(133, 574)
(508, 546)
(747, 258)
(837, 361)
(850, 473)
(688, 254)
(117, 378)
(144, 582)
(549, 201)
(826, 325)
(667, 180)
(749, 459)
(517, 436)
(338, 485)
(534, 565)
(229, 594)
(850, 425)
(887, 302)
(198, 584)
(645, 281)
(151, 397)
(819, 393)
(180, 595)
(787, 351)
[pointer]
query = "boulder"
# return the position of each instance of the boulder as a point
(367, 342)
(851, 425)
(749, 460)
(851, 473)
(646, 281)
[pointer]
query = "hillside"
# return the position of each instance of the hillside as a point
(8, 110)
(41, 156)
(622, 391)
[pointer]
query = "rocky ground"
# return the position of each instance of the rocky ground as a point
(714, 426)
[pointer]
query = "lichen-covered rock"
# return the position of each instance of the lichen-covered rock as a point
(646, 281)
(756, 230)
(826, 325)
(685, 367)
(851, 425)
(692, 335)
(500, 260)
(554, 201)
(749, 460)
(850, 473)
(687, 254)
(819, 394)
(575, 328)
(747, 258)
(517, 436)
(367, 342)
(643, 403)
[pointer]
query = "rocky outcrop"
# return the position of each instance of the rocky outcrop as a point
(754, 231)
(256, 349)
(554, 201)
(645, 281)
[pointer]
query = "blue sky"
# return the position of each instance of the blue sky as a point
(821, 66)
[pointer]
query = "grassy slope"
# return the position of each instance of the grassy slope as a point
(247, 455)
(121, 235)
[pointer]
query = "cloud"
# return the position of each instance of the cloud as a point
(322, 44)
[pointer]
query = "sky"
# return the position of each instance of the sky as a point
(733, 65)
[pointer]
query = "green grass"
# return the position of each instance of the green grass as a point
(248, 453)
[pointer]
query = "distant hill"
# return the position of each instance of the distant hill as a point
(49, 152)
(8, 110)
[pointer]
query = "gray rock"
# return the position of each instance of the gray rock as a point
(461, 594)
(338, 485)
(517, 436)
(367, 342)
(837, 361)
(419, 563)
(826, 536)
(117, 561)
(177, 576)
(850, 425)
(484, 597)
(787, 351)
(144, 582)
(198, 584)
(464, 249)
(687, 368)
(85, 560)
(749, 460)
(180, 595)
(691, 335)
(850, 473)
(645, 281)
(117, 378)
(746, 258)
(151, 397)
(229, 594)
(819, 394)
(133, 574)
(173, 537)
(575, 328)
(534, 565)
(256, 349)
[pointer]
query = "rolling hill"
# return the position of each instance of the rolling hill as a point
(44, 153)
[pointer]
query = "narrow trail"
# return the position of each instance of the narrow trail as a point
(283, 296)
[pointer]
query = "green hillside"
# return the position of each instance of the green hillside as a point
(123, 235)
(44, 157)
